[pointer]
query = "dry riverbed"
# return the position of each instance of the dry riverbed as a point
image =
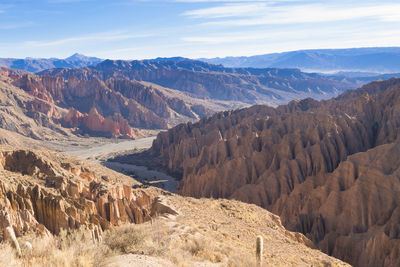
(100, 152)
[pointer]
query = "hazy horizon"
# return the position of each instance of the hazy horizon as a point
(199, 58)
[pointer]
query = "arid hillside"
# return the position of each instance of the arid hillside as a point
(44, 196)
(330, 169)
(114, 108)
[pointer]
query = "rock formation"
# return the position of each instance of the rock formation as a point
(45, 192)
(95, 124)
(29, 116)
(329, 168)
(142, 106)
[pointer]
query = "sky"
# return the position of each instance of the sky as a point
(138, 29)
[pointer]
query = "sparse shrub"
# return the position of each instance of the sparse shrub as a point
(124, 239)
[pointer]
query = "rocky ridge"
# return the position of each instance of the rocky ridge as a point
(304, 161)
(121, 107)
(203, 80)
(45, 192)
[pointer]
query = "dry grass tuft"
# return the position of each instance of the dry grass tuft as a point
(125, 239)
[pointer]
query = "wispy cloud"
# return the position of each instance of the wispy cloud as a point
(98, 37)
(228, 10)
(246, 14)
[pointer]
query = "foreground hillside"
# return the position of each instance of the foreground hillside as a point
(330, 169)
(43, 193)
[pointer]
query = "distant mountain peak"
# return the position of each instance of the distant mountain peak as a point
(81, 57)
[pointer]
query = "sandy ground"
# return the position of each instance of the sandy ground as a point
(134, 260)
(145, 176)
(104, 150)
(219, 233)
(100, 152)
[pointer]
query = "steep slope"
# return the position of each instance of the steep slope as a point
(204, 80)
(29, 116)
(35, 114)
(141, 105)
(39, 64)
(296, 161)
(44, 192)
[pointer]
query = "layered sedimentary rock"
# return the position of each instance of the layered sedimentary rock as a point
(29, 116)
(45, 192)
(142, 106)
(329, 169)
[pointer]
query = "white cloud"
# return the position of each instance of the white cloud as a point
(228, 10)
(261, 14)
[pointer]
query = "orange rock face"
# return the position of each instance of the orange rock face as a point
(45, 192)
(94, 123)
(330, 169)
(141, 106)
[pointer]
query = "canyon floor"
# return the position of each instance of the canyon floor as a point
(102, 150)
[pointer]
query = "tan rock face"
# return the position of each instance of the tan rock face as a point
(307, 162)
(45, 192)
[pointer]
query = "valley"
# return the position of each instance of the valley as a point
(187, 153)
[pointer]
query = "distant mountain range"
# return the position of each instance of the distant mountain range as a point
(375, 60)
(39, 64)
(202, 80)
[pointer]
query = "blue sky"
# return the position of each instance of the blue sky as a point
(137, 29)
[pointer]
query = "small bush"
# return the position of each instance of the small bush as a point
(125, 239)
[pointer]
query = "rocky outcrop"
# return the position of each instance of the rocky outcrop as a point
(29, 116)
(45, 192)
(307, 162)
(142, 106)
(95, 124)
